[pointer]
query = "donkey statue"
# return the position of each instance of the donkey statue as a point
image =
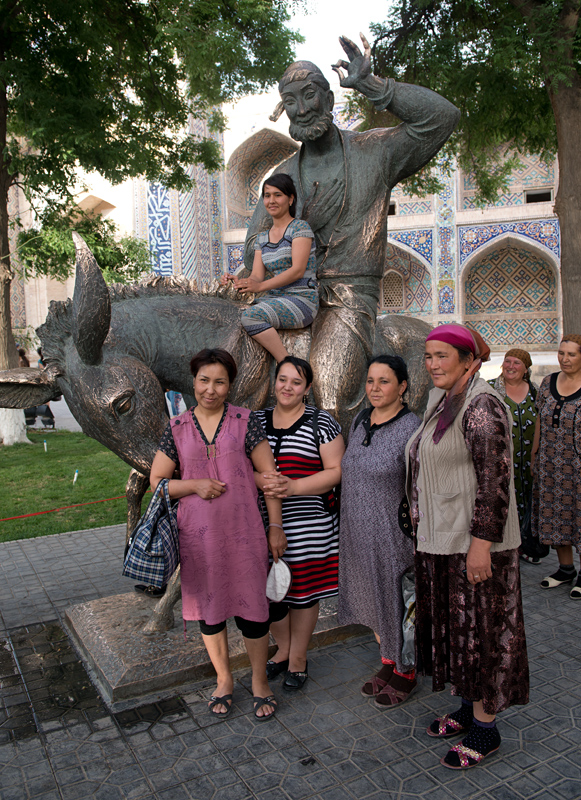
(113, 352)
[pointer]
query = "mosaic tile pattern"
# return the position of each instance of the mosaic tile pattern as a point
(184, 229)
(511, 280)
(188, 214)
(510, 199)
(343, 119)
(414, 207)
(417, 280)
(235, 257)
(532, 174)
(544, 232)
(159, 228)
(445, 244)
(446, 297)
(237, 220)
(419, 240)
(536, 333)
(248, 165)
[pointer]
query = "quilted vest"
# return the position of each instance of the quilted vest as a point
(447, 484)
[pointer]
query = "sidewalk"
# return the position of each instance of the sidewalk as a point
(58, 742)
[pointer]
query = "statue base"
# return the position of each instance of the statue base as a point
(130, 668)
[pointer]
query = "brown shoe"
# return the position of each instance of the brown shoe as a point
(396, 692)
(374, 685)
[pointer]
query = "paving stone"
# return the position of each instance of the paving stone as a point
(327, 742)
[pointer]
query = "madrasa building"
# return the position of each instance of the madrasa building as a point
(495, 268)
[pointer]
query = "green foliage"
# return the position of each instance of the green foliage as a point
(48, 249)
(26, 338)
(109, 86)
(495, 60)
(33, 480)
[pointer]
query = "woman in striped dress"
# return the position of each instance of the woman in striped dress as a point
(287, 250)
(308, 447)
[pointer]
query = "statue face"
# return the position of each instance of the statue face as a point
(308, 107)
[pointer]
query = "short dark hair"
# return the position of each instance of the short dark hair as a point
(214, 355)
(463, 353)
(302, 367)
(284, 182)
(395, 363)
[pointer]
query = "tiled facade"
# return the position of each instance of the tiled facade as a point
(497, 267)
(185, 229)
(448, 251)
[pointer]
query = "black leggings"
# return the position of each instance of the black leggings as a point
(248, 628)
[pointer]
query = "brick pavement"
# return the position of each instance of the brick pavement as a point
(327, 743)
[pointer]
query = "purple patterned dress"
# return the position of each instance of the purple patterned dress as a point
(556, 517)
(473, 636)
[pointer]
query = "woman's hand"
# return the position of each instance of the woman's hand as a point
(478, 563)
(209, 489)
(247, 285)
(276, 485)
(277, 543)
(225, 279)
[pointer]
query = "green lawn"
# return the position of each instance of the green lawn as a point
(33, 480)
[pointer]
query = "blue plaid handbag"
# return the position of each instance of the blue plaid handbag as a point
(152, 553)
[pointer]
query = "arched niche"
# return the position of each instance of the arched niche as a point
(511, 296)
(414, 286)
(248, 165)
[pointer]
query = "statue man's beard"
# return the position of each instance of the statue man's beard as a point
(308, 133)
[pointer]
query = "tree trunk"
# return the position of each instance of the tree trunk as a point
(12, 423)
(566, 103)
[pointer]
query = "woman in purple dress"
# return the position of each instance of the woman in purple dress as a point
(374, 554)
(223, 547)
(469, 621)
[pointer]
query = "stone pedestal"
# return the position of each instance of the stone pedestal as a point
(130, 668)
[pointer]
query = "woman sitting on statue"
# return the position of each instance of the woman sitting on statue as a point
(223, 548)
(287, 250)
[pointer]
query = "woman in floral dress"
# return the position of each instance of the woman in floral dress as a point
(556, 507)
(519, 394)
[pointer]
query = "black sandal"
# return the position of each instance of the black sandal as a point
(295, 680)
(259, 702)
(150, 591)
(225, 700)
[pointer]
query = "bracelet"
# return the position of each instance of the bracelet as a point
(274, 525)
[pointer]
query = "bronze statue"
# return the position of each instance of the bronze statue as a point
(344, 180)
(110, 351)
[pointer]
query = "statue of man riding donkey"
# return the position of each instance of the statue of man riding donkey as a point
(112, 351)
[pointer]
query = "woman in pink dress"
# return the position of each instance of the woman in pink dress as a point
(223, 546)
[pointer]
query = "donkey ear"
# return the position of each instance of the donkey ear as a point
(27, 386)
(91, 305)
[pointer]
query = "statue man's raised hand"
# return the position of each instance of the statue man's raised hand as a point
(359, 65)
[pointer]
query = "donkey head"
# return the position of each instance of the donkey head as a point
(112, 394)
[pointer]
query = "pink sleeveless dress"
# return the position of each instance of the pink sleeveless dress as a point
(223, 545)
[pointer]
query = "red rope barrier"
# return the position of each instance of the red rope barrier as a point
(52, 510)
(64, 508)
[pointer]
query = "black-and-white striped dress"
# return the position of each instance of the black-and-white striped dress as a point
(310, 522)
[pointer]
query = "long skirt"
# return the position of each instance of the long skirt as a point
(472, 636)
